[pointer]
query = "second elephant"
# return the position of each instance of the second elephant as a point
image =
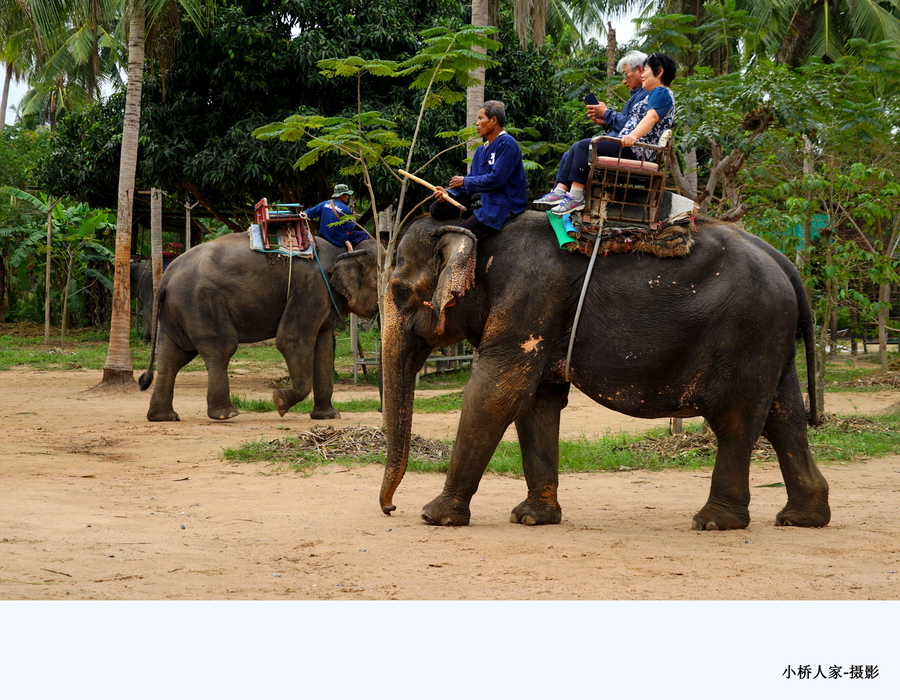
(222, 293)
(142, 290)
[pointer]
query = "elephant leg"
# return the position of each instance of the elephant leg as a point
(218, 388)
(299, 352)
(785, 428)
(493, 398)
(729, 494)
(538, 430)
(323, 376)
(171, 359)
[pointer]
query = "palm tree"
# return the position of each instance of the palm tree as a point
(118, 369)
(793, 30)
(530, 18)
(22, 29)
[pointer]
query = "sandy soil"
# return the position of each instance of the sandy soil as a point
(97, 503)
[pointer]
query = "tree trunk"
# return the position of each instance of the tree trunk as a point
(188, 208)
(475, 93)
(884, 297)
(156, 257)
(4, 98)
(610, 51)
(65, 297)
(47, 271)
(118, 368)
(156, 251)
(690, 171)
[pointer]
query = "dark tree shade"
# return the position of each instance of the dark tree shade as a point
(258, 65)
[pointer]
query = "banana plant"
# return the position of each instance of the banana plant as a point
(70, 242)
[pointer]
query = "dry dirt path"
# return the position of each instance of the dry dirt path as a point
(96, 503)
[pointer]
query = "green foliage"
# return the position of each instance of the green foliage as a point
(80, 258)
(20, 149)
(367, 138)
(668, 33)
(255, 64)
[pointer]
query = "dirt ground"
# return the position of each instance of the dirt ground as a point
(96, 503)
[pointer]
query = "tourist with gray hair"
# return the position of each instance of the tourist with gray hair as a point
(631, 65)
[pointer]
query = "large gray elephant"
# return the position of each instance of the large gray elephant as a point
(711, 334)
(142, 290)
(222, 293)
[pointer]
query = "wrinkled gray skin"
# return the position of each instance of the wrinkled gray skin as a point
(711, 334)
(142, 290)
(220, 294)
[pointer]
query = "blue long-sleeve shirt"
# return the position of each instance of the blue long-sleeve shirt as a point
(338, 234)
(498, 174)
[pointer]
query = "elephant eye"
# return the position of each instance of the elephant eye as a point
(400, 289)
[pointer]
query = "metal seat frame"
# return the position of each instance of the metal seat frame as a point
(631, 195)
(291, 214)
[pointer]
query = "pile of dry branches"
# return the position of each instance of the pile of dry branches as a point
(887, 380)
(331, 443)
(704, 443)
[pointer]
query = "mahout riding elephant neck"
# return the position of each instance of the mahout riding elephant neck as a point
(221, 293)
(711, 334)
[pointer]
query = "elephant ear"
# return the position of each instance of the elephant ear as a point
(354, 276)
(456, 259)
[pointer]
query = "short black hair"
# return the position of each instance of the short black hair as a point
(663, 67)
(495, 108)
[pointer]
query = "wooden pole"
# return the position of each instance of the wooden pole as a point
(425, 183)
(50, 205)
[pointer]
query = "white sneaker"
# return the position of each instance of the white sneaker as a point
(568, 205)
(548, 201)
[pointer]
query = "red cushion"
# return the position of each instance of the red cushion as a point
(625, 163)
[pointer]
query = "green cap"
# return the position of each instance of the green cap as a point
(340, 190)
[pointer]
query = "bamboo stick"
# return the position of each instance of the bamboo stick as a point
(425, 183)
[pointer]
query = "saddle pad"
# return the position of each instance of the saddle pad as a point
(625, 163)
(284, 247)
(672, 239)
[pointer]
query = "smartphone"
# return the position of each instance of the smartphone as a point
(590, 99)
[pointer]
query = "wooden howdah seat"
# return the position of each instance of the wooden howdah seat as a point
(630, 190)
(282, 225)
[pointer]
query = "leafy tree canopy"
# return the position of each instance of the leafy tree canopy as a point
(257, 64)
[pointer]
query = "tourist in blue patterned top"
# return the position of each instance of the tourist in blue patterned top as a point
(648, 119)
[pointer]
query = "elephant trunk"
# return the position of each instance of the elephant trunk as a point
(402, 357)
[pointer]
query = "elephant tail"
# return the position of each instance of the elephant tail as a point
(806, 327)
(147, 377)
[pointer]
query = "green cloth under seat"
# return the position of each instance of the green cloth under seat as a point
(561, 226)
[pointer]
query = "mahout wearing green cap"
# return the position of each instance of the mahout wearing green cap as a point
(343, 234)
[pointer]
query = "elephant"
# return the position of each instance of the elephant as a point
(710, 334)
(222, 293)
(142, 290)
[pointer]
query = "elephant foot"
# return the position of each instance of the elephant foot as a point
(159, 416)
(530, 512)
(223, 413)
(446, 510)
(817, 515)
(714, 517)
(324, 413)
(286, 398)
